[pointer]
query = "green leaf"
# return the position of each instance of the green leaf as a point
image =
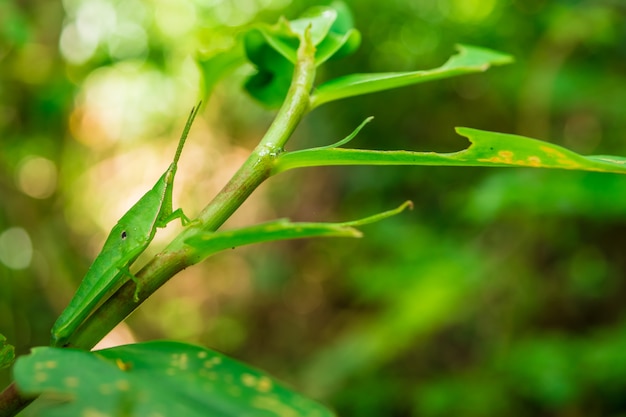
(343, 38)
(218, 65)
(160, 378)
(332, 31)
(470, 59)
(278, 37)
(317, 20)
(273, 49)
(271, 82)
(337, 45)
(7, 353)
(330, 28)
(488, 149)
(207, 244)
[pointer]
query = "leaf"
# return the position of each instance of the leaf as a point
(329, 29)
(271, 82)
(273, 49)
(339, 36)
(470, 59)
(161, 378)
(337, 45)
(220, 64)
(7, 353)
(207, 244)
(489, 149)
(317, 20)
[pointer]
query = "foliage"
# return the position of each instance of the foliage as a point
(478, 306)
(7, 353)
(154, 378)
(487, 149)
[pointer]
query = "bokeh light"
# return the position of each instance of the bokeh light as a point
(37, 177)
(16, 248)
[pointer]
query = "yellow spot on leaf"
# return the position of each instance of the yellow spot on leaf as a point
(261, 384)
(216, 360)
(248, 380)
(41, 376)
(273, 405)
(122, 385)
(175, 359)
(183, 362)
(560, 158)
(92, 412)
(534, 161)
(124, 366)
(51, 364)
(552, 152)
(265, 384)
(202, 354)
(493, 160)
(71, 381)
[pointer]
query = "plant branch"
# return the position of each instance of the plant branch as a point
(11, 402)
(177, 255)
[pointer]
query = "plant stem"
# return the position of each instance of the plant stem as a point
(297, 102)
(11, 402)
(177, 255)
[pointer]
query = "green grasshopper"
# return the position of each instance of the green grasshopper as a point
(128, 239)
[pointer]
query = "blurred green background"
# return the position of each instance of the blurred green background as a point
(502, 293)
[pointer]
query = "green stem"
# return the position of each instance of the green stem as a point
(177, 255)
(297, 102)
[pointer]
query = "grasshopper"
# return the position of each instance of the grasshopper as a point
(128, 239)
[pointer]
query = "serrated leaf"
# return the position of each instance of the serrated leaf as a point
(469, 59)
(7, 353)
(160, 378)
(489, 149)
(207, 244)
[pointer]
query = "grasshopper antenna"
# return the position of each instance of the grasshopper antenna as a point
(183, 137)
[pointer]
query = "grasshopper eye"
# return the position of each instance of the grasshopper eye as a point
(123, 236)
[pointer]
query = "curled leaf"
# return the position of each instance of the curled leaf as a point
(273, 49)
